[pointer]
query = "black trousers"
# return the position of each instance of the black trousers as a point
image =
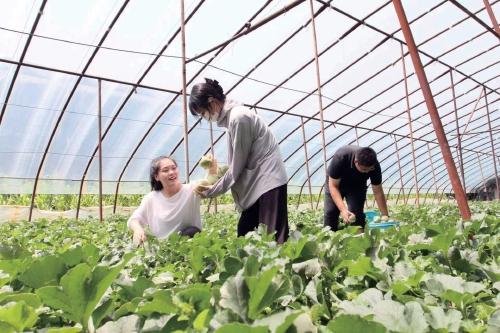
(355, 204)
(270, 209)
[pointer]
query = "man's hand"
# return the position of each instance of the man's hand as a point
(200, 188)
(139, 237)
(347, 216)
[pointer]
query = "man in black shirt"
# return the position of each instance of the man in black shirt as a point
(349, 169)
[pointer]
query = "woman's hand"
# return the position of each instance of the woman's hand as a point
(200, 188)
(139, 236)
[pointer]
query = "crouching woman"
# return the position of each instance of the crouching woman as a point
(171, 207)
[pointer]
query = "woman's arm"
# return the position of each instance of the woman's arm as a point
(242, 145)
(139, 236)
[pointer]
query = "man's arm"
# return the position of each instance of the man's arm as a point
(333, 186)
(378, 191)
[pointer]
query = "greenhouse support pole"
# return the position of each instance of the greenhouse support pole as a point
(319, 195)
(318, 83)
(307, 161)
(459, 139)
(432, 169)
(497, 195)
(410, 126)
(492, 16)
(472, 113)
(481, 170)
(213, 155)
(99, 142)
(433, 113)
(184, 97)
(400, 172)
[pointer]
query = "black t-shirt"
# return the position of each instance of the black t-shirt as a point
(342, 167)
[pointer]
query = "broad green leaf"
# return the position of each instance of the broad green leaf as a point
(364, 304)
(30, 299)
(132, 289)
(196, 259)
(4, 278)
(234, 295)
(88, 253)
(155, 324)
(251, 266)
(202, 319)
(278, 322)
(197, 295)
(128, 324)
(14, 251)
(14, 267)
(494, 323)
(354, 323)
(263, 290)
(43, 271)
(408, 318)
(241, 328)
(70, 296)
(449, 322)
(360, 267)
(127, 308)
(439, 283)
(443, 241)
(18, 315)
(80, 290)
(101, 279)
(309, 267)
(62, 330)
(459, 299)
(6, 328)
(102, 311)
(232, 265)
(161, 303)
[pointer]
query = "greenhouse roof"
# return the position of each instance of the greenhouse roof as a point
(56, 56)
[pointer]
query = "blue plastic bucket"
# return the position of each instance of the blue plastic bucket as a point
(371, 215)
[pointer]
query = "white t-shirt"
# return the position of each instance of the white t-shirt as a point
(168, 215)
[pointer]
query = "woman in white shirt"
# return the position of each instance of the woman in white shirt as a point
(170, 206)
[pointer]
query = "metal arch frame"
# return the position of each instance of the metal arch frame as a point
(246, 75)
(492, 16)
(436, 59)
(13, 83)
(477, 19)
(393, 117)
(386, 89)
(467, 165)
(125, 101)
(362, 135)
(472, 150)
(168, 107)
(467, 161)
(21, 58)
(359, 23)
(67, 102)
(432, 155)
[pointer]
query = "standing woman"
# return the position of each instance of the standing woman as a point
(256, 174)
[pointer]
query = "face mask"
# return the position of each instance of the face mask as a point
(210, 117)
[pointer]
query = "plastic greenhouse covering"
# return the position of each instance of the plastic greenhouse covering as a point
(62, 60)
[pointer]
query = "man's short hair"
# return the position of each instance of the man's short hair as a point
(366, 157)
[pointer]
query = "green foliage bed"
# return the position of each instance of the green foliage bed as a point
(432, 274)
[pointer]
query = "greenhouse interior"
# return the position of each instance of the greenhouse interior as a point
(106, 104)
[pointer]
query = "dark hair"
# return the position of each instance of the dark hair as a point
(153, 171)
(366, 157)
(201, 92)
